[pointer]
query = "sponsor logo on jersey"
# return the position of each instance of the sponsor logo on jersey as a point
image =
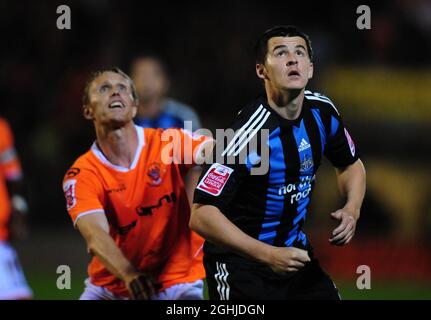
(155, 172)
(69, 193)
(215, 179)
(148, 211)
(304, 145)
(125, 229)
(350, 141)
(121, 188)
(303, 183)
(73, 172)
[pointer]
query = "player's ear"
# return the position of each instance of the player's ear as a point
(261, 71)
(310, 70)
(135, 109)
(87, 112)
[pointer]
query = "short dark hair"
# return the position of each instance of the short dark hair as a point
(95, 74)
(261, 47)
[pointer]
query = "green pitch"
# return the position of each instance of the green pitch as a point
(44, 288)
(394, 290)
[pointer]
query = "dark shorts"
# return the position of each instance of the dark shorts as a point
(240, 279)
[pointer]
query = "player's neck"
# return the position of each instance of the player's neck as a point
(118, 145)
(288, 104)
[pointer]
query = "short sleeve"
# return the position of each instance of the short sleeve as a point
(82, 193)
(220, 180)
(341, 150)
(218, 185)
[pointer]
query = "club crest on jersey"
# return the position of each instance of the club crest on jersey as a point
(69, 193)
(306, 163)
(155, 173)
(350, 141)
(215, 179)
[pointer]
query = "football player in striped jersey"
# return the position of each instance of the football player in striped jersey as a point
(253, 224)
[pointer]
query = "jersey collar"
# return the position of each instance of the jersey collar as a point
(101, 157)
(283, 122)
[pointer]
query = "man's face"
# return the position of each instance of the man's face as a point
(111, 100)
(149, 79)
(287, 65)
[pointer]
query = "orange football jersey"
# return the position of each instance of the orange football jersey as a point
(146, 206)
(10, 169)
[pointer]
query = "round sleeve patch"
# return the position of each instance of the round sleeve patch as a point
(350, 141)
(69, 193)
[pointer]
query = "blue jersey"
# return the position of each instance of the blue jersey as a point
(172, 115)
(272, 207)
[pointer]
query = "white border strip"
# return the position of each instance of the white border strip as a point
(227, 292)
(252, 134)
(223, 287)
(323, 99)
(257, 122)
(217, 277)
(241, 130)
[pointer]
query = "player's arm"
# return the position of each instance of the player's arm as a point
(12, 171)
(351, 182)
(209, 222)
(201, 148)
(17, 191)
(344, 156)
(95, 230)
(18, 221)
(191, 180)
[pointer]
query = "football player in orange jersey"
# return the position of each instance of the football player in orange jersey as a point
(126, 196)
(13, 208)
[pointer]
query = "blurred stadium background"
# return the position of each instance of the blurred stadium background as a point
(380, 79)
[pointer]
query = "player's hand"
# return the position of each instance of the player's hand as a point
(346, 229)
(141, 286)
(288, 259)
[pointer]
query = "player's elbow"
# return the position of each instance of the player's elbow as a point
(359, 167)
(92, 241)
(358, 172)
(93, 235)
(362, 170)
(192, 220)
(91, 248)
(195, 217)
(355, 170)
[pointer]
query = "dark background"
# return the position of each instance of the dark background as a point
(380, 80)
